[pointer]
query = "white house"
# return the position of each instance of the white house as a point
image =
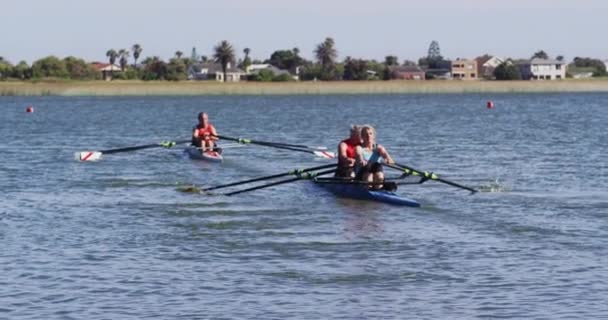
(213, 71)
(487, 64)
(543, 69)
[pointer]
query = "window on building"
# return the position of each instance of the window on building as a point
(558, 77)
(558, 66)
(472, 75)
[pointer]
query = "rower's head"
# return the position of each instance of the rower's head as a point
(355, 133)
(203, 118)
(368, 133)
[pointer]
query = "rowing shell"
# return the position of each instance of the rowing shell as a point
(196, 154)
(360, 192)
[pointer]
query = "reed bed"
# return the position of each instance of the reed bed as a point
(185, 88)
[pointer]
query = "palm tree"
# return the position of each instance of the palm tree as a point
(124, 56)
(111, 54)
(246, 61)
(296, 51)
(326, 53)
(224, 54)
(136, 52)
(178, 54)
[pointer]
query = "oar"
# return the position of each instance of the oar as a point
(425, 175)
(288, 173)
(300, 176)
(96, 155)
(318, 153)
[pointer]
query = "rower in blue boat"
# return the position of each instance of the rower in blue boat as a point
(204, 134)
(346, 153)
(368, 157)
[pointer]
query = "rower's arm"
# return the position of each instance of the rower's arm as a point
(342, 158)
(213, 134)
(384, 154)
(359, 157)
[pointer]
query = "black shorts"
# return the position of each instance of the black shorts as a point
(345, 172)
(369, 168)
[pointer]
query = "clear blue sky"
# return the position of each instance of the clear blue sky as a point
(31, 29)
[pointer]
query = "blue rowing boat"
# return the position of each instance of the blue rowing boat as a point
(360, 192)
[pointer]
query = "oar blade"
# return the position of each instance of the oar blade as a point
(325, 154)
(87, 155)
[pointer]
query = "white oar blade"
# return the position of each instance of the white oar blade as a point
(87, 155)
(325, 154)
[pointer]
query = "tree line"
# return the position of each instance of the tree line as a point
(325, 65)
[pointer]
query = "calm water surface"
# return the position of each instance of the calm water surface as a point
(117, 239)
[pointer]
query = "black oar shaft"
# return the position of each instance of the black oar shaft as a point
(147, 146)
(427, 175)
(291, 172)
(300, 177)
(267, 144)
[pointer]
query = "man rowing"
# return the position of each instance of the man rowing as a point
(346, 153)
(204, 134)
(367, 159)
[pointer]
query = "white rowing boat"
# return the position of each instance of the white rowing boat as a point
(208, 155)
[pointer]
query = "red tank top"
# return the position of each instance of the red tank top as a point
(206, 132)
(350, 148)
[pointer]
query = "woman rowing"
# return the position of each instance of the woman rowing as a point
(204, 134)
(368, 156)
(346, 153)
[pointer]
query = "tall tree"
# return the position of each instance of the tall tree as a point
(123, 55)
(246, 61)
(136, 53)
(540, 55)
(391, 61)
(112, 55)
(224, 54)
(194, 58)
(326, 54)
(178, 54)
(434, 57)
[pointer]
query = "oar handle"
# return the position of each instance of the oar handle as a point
(427, 175)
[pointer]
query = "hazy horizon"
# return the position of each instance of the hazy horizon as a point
(370, 30)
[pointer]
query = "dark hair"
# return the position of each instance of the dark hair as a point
(200, 114)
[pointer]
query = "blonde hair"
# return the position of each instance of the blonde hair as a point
(366, 127)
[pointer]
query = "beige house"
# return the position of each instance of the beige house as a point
(464, 69)
(106, 69)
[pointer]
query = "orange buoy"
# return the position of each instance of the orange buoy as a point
(29, 109)
(490, 104)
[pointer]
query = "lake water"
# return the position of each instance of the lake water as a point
(118, 239)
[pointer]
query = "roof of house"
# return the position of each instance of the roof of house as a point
(405, 69)
(105, 66)
(540, 61)
(213, 67)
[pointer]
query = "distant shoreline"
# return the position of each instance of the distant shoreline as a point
(194, 88)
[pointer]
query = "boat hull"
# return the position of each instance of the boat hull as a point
(196, 154)
(362, 193)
